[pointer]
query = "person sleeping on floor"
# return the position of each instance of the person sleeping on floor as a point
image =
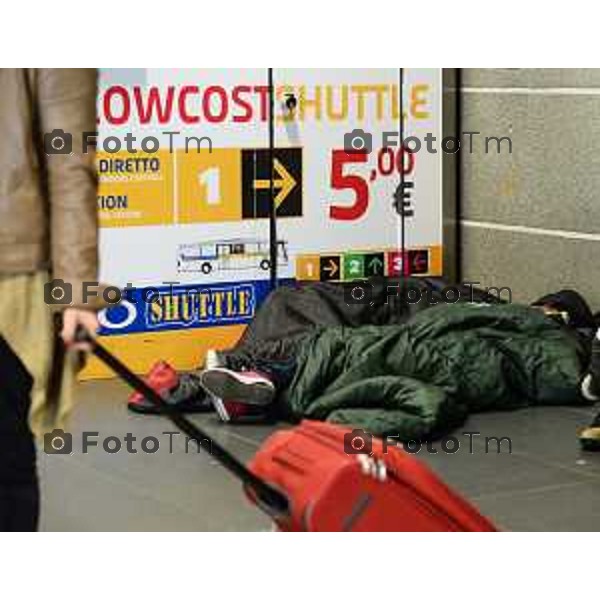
(414, 370)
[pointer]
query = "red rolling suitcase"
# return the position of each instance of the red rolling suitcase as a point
(330, 490)
(304, 479)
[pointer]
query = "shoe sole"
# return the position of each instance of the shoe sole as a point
(227, 386)
(182, 407)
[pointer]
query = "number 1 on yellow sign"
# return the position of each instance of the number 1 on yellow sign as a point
(210, 186)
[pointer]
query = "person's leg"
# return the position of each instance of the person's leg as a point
(19, 507)
(19, 496)
(246, 377)
(247, 386)
(251, 387)
(181, 391)
(26, 324)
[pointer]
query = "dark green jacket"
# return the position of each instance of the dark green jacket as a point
(421, 379)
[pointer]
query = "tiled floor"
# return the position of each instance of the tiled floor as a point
(546, 483)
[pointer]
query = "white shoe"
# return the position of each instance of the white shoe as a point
(212, 360)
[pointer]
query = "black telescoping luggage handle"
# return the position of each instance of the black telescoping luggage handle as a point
(267, 497)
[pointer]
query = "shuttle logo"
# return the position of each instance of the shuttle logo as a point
(206, 306)
(183, 307)
(118, 318)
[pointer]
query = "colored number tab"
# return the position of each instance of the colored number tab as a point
(209, 185)
(330, 268)
(418, 261)
(256, 182)
(308, 268)
(374, 264)
(394, 263)
(354, 266)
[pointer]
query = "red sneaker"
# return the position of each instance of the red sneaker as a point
(162, 378)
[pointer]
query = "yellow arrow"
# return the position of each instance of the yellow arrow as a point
(332, 268)
(285, 184)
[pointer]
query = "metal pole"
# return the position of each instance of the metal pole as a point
(272, 206)
(402, 178)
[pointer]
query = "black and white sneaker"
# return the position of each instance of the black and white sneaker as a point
(238, 395)
(590, 386)
(589, 437)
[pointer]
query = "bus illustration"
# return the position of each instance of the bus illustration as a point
(228, 255)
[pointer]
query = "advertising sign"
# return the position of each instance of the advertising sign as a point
(184, 197)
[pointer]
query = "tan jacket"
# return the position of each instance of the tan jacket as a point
(48, 215)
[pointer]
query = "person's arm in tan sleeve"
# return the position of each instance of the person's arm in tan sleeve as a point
(66, 100)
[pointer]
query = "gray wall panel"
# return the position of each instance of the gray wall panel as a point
(535, 78)
(551, 181)
(552, 178)
(531, 265)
